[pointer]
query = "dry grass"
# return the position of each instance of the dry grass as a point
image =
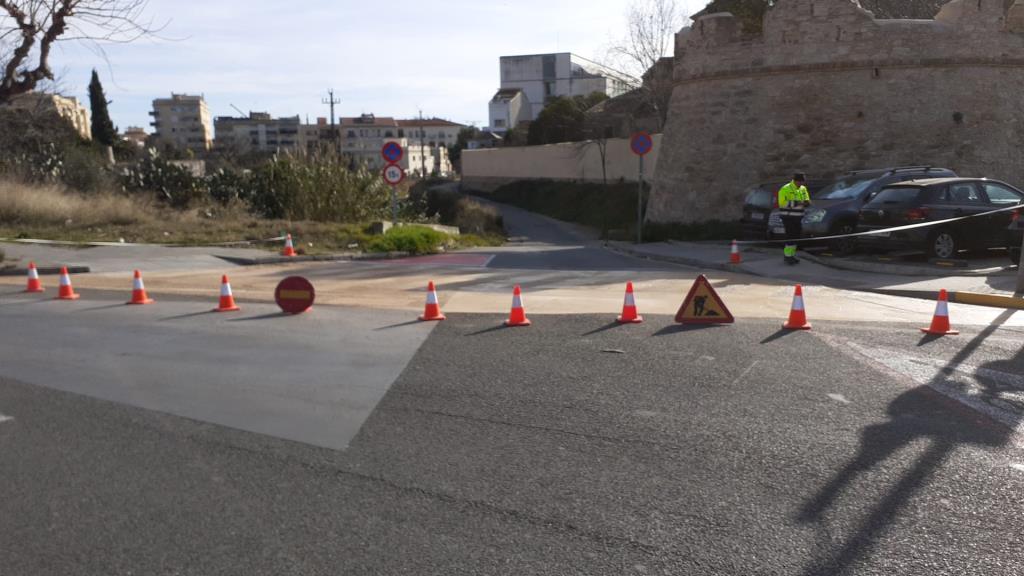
(22, 204)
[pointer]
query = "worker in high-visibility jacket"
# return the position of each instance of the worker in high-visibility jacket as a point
(793, 200)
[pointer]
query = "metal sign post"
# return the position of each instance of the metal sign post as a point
(641, 144)
(393, 175)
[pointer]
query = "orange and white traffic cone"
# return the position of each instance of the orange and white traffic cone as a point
(940, 321)
(735, 257)
(227, 300)
(34, 285)
(797, 315)
(139, 296)
(518, 315)
(629, 312)
(289, 248)
(66, 291)
(432, 311)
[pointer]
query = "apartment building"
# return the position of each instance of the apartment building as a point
(67, 109)
(258, 133)
(182, 121)
(528, 82)
(136, 135)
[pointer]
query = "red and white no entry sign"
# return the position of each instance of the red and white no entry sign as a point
(393, 174)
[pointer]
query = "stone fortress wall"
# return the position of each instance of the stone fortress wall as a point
(827, 88)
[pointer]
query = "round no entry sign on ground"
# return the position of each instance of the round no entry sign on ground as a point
(641, 143)
(294, 295)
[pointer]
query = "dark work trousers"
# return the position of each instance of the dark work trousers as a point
(794, 230)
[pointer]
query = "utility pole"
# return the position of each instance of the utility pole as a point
(332, 101)
(423, 156)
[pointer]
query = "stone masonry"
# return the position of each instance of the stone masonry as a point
(827, 88)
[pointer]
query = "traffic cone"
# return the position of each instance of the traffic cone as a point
(518, 315)
(629, 313)
(66, 292)
(227, 300)
(34, 285)
(940, 321)
(139, 291)
(289, 248)
(735, 257)
(432, 311)
(797, 315)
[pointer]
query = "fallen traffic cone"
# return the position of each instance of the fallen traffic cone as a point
(518, 315)
(139, 291)
(34, 285)
(797, 315)
(227, 300)
(940, 321)
(629, 313)
(66, 292)
(432, 311)
(289, 248)
(735, 257)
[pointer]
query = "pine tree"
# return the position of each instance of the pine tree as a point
(103, 130)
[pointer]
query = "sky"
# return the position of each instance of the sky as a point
(393, 58)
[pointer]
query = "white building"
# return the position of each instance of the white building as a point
(527, 82)
(259, 132)
(182, 121)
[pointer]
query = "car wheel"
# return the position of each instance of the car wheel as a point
(844, 246)
(943, 244)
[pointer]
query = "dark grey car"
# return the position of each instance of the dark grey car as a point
(836, 208)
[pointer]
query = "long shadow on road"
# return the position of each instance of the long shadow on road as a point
(919, 413)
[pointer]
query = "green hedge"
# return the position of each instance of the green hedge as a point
(412, 239)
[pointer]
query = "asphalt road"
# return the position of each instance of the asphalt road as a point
(572, 447)
(312, 378)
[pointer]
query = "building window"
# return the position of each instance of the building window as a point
(499, 123)
(549, 89)
(401, 133)
(388, 134)
(351, 133)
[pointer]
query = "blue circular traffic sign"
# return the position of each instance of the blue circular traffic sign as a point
(641, 143)
(392, 152)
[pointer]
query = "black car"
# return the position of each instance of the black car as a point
(1016, 236)
(940, 199)
(837, 207)
(761, 200)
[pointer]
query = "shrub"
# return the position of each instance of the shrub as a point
(411, 239)
(320, 189)
(171, 183)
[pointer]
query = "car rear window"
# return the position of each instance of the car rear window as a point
(760, 198)
(896, 195)
(846, 188)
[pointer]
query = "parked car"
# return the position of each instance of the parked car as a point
(836, 208)
(1015, 234)
(940, 199)
(761, 200)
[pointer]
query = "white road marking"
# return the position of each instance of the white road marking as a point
(745, 372)
(4, 418)
(839, 398)
(1017, 467)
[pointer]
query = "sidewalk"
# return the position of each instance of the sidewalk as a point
(715, 256)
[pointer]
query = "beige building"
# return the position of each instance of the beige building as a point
(182, 121)
(259, 132)
(362, 138)
(135, 135)
(67, 108)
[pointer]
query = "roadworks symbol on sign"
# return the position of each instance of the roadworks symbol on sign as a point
(703, 306)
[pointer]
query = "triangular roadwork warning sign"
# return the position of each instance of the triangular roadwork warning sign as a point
(703, 306)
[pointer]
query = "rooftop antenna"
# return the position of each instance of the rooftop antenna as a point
(239, 111)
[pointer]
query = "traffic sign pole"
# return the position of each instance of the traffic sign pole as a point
(394, 207)
(640, 205)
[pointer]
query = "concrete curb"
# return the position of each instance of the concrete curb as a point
(894, 269)
(44, 271)
(360, 257)
(691, 262)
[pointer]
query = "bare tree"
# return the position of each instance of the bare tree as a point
(30, 28)
(650, 37)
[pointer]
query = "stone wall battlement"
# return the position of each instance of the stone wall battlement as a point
(827, 88)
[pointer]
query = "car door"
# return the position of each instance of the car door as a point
(967, 199)
(998, 195)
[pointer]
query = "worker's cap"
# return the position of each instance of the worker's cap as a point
(799, 177)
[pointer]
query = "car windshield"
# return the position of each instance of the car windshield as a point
(845, 189)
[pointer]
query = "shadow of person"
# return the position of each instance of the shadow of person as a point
(921, 413)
